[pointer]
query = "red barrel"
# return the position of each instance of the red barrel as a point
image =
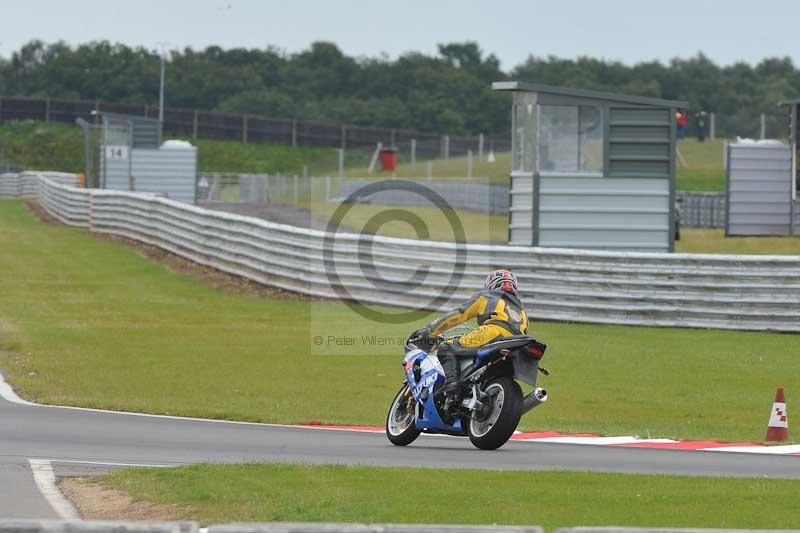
(389, 159)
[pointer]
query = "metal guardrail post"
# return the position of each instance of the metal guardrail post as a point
(712, 126)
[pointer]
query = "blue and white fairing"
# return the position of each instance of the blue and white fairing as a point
(431, 373)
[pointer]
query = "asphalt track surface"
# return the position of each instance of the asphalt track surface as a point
(79, 442)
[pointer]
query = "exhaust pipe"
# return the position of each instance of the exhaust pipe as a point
(534, 399)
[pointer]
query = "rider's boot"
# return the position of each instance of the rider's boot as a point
(451, 396)
(451, 375)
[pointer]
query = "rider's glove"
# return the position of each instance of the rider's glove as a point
(421, 334)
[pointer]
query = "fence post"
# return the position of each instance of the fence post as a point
(763, 126)
(712, 133)
(712, 213)
(344, 137)
(446, 147)
(296, 192)
(294, 132)
(327, 189)
(47, 109)
(480, 147)
(97, 110)
(725, 156)
(341, 163)
(469, 163)
(413, 154)
(430, 170)
(194, 125)
(244, 128)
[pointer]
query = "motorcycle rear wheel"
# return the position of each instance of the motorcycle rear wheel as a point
(491, 428)
(401, 429)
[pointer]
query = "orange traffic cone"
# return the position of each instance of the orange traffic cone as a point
(778, 429)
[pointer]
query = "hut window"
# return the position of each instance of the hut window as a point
(570, 139)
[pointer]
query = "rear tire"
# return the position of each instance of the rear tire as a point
(491, 429)
(401, 429)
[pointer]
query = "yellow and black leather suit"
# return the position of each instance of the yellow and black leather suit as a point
(499, 314)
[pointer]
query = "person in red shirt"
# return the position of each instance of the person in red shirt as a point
(680, 122)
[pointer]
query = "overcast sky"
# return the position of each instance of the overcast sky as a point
(626, 30)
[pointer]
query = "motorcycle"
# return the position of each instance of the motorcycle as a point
(492, 400)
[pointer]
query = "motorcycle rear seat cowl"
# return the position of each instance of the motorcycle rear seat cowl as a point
(514, 341)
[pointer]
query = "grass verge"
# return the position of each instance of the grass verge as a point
(714, 241)
(92, 323)
(433, 224)
(42, 146)
(704, 170)
(276, 492)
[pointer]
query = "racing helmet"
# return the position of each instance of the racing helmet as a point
(501, 280)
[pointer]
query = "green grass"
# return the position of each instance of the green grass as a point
(91, 323)
(40, 146)
(455, 167)
(713, 241)
(264, 493)
(43, 146)
(704, 170)
(477, 226)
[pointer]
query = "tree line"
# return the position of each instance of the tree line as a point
(449, 92)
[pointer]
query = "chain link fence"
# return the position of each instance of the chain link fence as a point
(248, 128)
(772, 123)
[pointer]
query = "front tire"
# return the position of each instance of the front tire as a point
(401, 429)
(493, 425)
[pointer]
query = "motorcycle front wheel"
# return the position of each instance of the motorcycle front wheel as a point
(401, 429)
(492, 425)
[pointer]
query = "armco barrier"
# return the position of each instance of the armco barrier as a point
(26, 184)
(320, 527)
(650, 289)
(89, 526)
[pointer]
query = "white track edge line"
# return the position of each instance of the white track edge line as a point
(7, 393)
(45, 480)
(105, 463)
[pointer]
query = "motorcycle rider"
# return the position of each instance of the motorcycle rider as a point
(499, 313)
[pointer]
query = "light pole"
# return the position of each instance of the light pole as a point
(161, 84)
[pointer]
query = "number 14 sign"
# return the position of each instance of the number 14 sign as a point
(116, 152)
